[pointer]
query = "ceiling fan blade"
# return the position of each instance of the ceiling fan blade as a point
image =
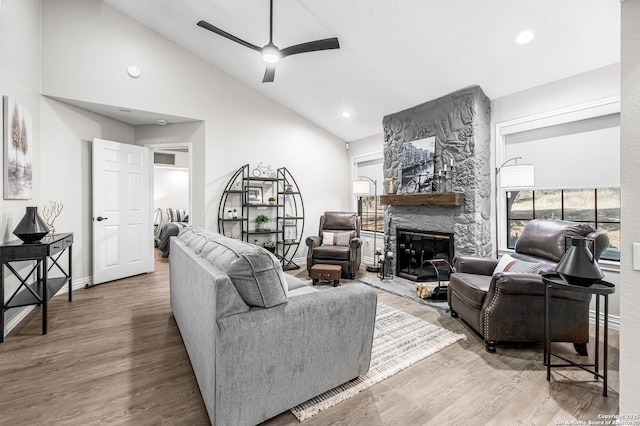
(311, 46)
(269, 73)
(208, 26)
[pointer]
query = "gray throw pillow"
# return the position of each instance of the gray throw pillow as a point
(256, 273)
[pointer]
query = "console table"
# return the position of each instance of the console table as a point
(36, 288)
(601, 288)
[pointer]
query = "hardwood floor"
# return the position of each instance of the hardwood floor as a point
(114, 355)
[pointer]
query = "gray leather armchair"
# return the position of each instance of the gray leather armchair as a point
(509, 306)
(348, 255)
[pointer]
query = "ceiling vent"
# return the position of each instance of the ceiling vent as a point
(164, 158)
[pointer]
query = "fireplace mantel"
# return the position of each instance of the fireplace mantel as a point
(447, 199)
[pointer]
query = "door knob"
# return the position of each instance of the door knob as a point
(100, 218)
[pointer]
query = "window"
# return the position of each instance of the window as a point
(365, 167)
(599, 208)
(576, 137)
(366, 211)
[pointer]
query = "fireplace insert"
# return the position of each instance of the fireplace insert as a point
(424, 255)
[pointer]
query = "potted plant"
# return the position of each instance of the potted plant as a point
(270, 245)
(262, 222)
(272, 200)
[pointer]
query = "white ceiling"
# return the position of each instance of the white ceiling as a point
(394, 54)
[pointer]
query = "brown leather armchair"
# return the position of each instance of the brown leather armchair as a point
(509, 306)
(346, 252)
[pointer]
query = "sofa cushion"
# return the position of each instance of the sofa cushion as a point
(509, 264)
(332, 252)
(546, 238)
(256, 273)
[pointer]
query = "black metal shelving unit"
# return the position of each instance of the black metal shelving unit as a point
(288, 209)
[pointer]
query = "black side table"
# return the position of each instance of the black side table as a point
(36, 288)
(601, 288)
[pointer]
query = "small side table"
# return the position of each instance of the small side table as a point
(37, 287)
(601, 288)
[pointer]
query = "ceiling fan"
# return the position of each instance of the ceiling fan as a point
(270, 52)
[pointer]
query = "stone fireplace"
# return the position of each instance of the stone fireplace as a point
(460, 123)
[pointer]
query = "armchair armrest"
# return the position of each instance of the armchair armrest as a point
(313, 242)
(475, 265)
(520, 284)
(513, 283)
(355, 243)
(282, 356)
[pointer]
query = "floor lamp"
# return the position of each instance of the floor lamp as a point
(512, 177)
(361, 187)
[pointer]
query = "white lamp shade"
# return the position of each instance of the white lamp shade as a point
(517, 176)
(361, 187)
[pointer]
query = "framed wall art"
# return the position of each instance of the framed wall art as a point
(418, 165)
(18, 141)
(254, 195)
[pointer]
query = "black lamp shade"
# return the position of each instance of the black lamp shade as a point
(578, 266)
(31, 228)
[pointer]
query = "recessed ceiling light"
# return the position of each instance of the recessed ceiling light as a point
(524, 37)
(346, 114)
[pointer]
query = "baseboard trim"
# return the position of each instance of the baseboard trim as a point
(301, 261)
(22, 312)
(614, 320)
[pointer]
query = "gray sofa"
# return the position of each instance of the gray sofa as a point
(261, 341)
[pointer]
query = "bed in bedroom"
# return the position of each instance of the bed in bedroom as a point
(167, 224)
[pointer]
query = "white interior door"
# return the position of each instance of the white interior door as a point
(122, 217)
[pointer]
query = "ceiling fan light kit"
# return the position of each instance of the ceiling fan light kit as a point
(270, 53)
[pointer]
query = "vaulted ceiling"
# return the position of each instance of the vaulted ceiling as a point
(394, 54)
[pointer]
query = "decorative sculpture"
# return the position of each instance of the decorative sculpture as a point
(51, 212)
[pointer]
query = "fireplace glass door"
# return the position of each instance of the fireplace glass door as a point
(423, 255)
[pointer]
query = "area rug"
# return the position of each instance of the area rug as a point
(399, 341)
(403, 288)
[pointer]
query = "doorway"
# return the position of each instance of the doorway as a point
(171, 189)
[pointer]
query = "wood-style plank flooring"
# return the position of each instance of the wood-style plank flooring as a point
(114, 355)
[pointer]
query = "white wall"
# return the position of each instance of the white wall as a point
(171, 182)
(87, 47)
(20, 79)
(629, 164)
(367, 145)
(170, 188)
(590, 86)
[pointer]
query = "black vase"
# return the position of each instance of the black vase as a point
(31, 228)
(578, 266)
